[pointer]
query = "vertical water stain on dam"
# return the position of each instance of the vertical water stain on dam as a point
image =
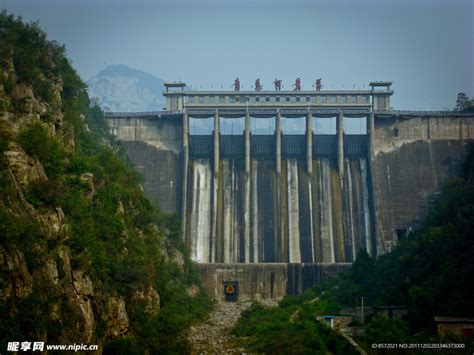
(279, 212)
(294, 217)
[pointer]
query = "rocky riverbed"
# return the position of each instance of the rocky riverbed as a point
(213, 335)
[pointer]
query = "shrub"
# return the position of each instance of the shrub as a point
(36, 142)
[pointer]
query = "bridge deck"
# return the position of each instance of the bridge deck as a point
(289, 113)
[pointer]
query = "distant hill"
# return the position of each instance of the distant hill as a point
(121, 88)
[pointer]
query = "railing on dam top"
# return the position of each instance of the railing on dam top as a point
(263, 146)
(287, 113)
(271, 112)
(412, 113)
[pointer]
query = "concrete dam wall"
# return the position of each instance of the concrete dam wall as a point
(277, 228)
(293, 218)
(414, 156)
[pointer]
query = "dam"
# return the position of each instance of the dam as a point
(275, 213)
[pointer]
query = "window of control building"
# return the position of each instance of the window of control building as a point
(191, 99)
(267, 99)
(277, 99)
(221, 99)
(323, 99)
(298, 99)
(287, 99)
(237, 99)
(201, 99)
(212, 99)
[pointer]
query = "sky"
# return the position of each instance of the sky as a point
(425, 47)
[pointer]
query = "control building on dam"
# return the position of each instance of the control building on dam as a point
(274, 213)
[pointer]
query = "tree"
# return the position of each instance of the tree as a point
(462, 102)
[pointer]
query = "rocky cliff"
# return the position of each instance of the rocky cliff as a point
(83, 255)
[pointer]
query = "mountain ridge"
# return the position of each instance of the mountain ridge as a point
(122, 88)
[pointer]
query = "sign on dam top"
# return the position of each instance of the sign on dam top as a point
(179, 97)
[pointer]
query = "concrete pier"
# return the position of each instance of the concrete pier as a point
(370, 130)
(215, 186)
(247, 188)
(278, 142)
(185, 170)
(309, 142)
(216, 142)
(340, 144)
(370, 134)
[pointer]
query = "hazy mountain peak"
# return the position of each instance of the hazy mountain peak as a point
(121, 88)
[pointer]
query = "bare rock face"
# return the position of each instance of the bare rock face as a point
(85, 293)
(53, 223)
(23, 94)
(149, 299)
(88, 178)
(57, 89)
(64, 262)
(51, 271)
(15, 277)
(82, 285)
(192, 290)
(116, 317)
(24, 168)
(178, 258)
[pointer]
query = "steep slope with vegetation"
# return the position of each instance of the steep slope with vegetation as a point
(84, 257)
(431, 272)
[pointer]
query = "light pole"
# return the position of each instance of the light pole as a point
(362, 309)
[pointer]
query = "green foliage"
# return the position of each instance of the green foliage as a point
(46, 193)
(36, 61)
(27, 317)
(5, 137)
(8, 85)
(115, 235)
(384, 330)
(291, 328)
(123, 346)
(37, 143)
(463, 104)
(430, 272)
